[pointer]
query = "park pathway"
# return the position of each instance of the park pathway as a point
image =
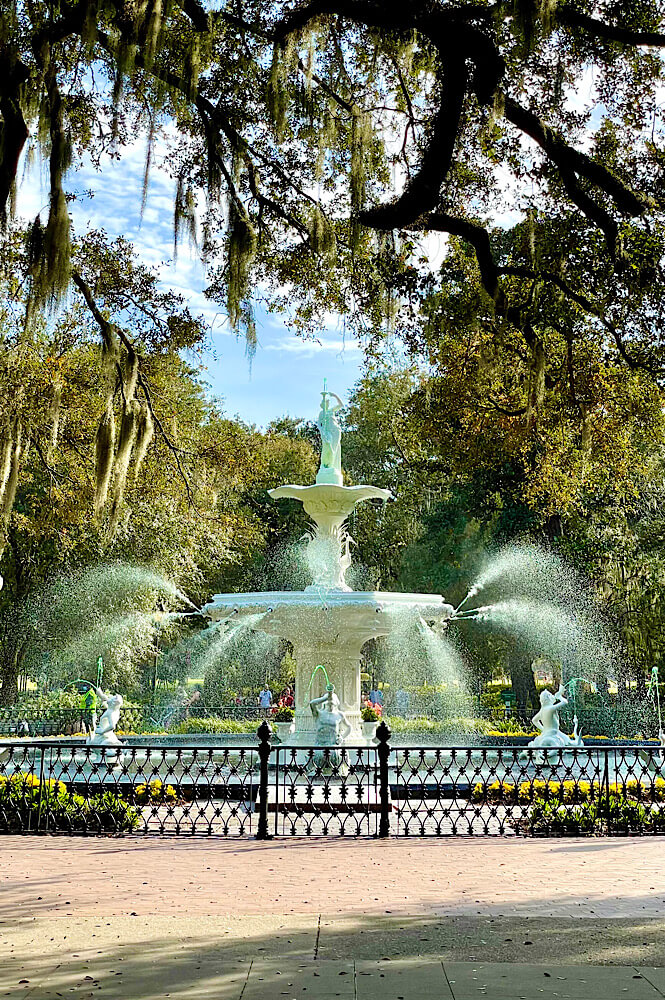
(456, 918)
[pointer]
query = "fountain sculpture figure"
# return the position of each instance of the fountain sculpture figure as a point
(330, 470)
(547, 721)
(332, 726)
(327, 623)
(104, 734)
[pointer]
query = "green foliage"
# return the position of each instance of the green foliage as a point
(25, 805)
(88, 480)
(425, 726)
(284, 714)
(614, 813)
(570, 807)
(215, 726)
(579, 807)
(369, 714)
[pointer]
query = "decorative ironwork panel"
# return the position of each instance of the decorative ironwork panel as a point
(57, 788)
(274, 790)
(521, 790)
(325, 791)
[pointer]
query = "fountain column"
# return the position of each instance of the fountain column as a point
(341, 658)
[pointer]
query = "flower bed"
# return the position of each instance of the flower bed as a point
(564, 792)
(615, 813)
(25, 805)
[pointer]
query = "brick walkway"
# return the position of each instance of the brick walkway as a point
(621, 877)
(457, 918)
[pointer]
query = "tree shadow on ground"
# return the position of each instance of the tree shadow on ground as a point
(141, 958)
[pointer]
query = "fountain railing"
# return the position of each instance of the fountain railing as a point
(269, 789)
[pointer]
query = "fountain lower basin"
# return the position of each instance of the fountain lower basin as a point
(328, 627)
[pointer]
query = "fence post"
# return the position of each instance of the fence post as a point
(264, 733)
(606, 782)
(383, 751)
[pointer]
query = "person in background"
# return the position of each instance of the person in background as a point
(88, 710)
(376, 697)
(286, 699)
(265, 699)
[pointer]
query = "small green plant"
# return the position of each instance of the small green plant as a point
(369, 714)
(28, 804)
(284, 714)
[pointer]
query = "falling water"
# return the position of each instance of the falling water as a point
(425, 665)
(238, 655)
(565, 637)
(110, 609)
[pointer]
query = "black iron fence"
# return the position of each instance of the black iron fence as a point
(375, 791)
(28, 720)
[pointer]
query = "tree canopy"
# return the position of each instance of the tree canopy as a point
(315, 148)
(328, 136)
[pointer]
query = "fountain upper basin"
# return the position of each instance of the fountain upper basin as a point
(370, 613)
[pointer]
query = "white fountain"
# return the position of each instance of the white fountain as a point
(328, 623)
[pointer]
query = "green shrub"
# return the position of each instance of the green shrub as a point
(618, 814)
(615, 813)
(449, 727)
(284, 714)
(213, 725)
(24, 806)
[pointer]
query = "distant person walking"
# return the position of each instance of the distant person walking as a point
(265, 700)
(88, 710)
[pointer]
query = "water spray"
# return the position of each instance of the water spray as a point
(472, 613)
(653, 686)
(183, 597)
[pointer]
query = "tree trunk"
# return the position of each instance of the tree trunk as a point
(523, 681)
(10, 674)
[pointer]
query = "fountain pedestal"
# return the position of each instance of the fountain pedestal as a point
(342, 662)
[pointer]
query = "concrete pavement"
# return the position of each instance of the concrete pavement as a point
(452, 918)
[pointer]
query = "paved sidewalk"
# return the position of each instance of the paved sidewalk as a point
(410, 979)
(488, 876)
(453, 919)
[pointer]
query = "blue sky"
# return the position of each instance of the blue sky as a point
(286, 372)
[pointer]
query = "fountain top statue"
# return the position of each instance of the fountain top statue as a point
(330, 470)
(328, 502)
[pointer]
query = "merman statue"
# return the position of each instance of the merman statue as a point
(330, 470)
(332, 726)
(104, 734)
(547, 721)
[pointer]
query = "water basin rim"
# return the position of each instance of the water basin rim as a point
(361, 492)
(323, 598)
